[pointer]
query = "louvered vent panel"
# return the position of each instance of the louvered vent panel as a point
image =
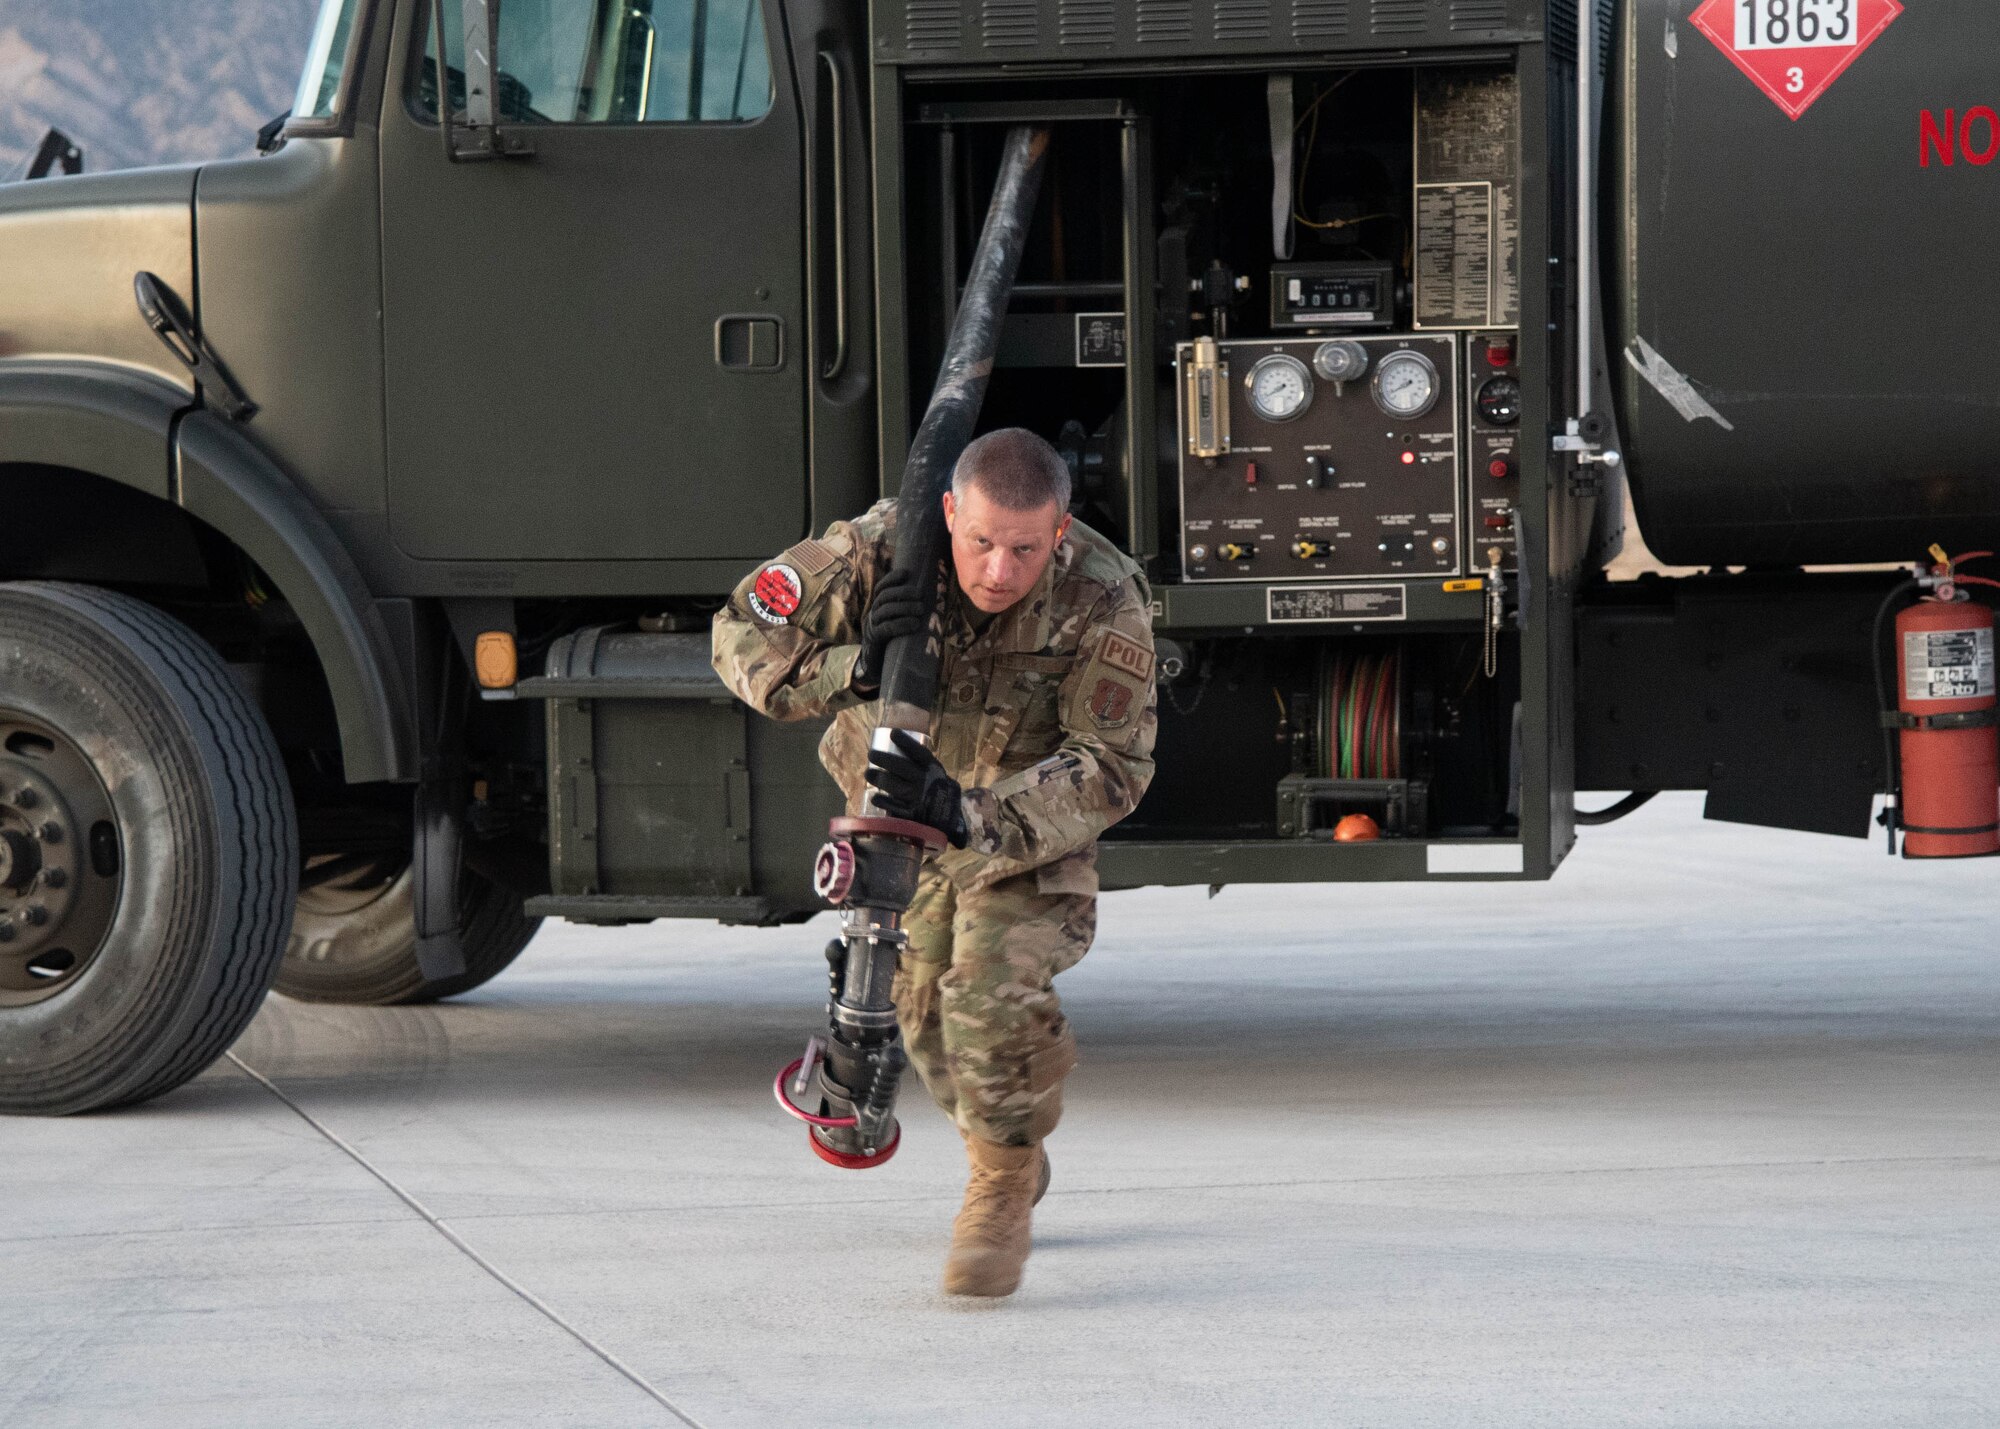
(1242, 19)
(1562, 32)
(932, 25)
(1478, 14)
(1086, 22)
(1007, 24)
(1398, 17)
(1318, 20)
(1166, 21)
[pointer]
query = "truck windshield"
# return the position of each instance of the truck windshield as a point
(618, 61)
(319, 83)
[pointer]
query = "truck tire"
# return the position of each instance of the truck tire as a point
(354, 938)
(148, 851)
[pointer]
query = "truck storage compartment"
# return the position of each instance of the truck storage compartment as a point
(666, 797)
(1282, 738)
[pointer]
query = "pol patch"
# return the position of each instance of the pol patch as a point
(776, 593)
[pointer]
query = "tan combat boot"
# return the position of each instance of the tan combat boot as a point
(1042, 1182)
(989, 1240)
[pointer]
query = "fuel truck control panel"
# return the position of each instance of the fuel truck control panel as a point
(1493, 445)
(1329, 457)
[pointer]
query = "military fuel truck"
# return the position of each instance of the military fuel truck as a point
(366, 502)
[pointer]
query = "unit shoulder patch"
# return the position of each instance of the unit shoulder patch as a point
(776, 593)
(1110, 704)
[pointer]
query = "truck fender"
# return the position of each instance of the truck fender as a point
(113, 421)
(137, 430)
(232, 484)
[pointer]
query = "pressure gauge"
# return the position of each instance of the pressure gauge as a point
(1280, 387)
(1340, 360)
(1500, 401)
(1406, 385)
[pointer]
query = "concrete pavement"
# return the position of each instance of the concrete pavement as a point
(1704, 1133)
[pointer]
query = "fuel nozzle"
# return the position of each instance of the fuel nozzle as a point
(844, 1086)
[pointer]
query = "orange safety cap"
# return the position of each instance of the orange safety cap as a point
(494, 660)
(1356, 829)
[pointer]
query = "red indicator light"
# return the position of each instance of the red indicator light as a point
(1409, 458)
(1499, 354)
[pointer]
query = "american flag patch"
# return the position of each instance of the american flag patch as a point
(812, 557)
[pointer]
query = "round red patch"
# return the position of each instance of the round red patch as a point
(776, 594)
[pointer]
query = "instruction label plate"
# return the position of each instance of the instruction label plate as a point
(1947, 664)
(1333, 603)
(1468, 238)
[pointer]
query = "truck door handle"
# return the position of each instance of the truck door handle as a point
(837, 107)
(750, 342)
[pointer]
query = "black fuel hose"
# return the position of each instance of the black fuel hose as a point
(1631, 803)
(910, 669)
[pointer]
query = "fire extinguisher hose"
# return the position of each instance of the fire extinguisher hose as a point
(1891, 766)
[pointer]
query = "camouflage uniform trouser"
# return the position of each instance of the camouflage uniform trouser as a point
(979, 1016)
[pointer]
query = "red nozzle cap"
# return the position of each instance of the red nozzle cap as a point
(850, 1162)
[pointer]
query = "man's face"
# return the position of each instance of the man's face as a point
(1000, 554)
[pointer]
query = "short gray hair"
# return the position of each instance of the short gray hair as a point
(1014, 468)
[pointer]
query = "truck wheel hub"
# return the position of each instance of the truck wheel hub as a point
(59, 861)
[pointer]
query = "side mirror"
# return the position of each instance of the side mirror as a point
(271, 134)
(57, 151)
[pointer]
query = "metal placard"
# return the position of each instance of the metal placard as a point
(1335, 604)
(1100, 339)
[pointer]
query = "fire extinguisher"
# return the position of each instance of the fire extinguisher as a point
(1947, 749)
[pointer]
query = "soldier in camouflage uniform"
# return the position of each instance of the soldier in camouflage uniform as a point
(1042, 739)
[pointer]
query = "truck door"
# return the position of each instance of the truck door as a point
(596, 351)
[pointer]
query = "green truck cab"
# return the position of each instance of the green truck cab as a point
(367, 501)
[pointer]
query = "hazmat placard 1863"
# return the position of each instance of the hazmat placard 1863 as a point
(1794, 50)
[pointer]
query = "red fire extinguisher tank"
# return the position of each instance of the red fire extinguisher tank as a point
(1949, 754)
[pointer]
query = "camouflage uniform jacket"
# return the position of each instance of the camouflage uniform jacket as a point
(1046, 714)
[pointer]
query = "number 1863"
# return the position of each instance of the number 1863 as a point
(1794, 24)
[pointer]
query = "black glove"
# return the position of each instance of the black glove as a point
(897, 609)
(913, 785)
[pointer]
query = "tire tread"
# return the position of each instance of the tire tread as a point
(257, 853)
